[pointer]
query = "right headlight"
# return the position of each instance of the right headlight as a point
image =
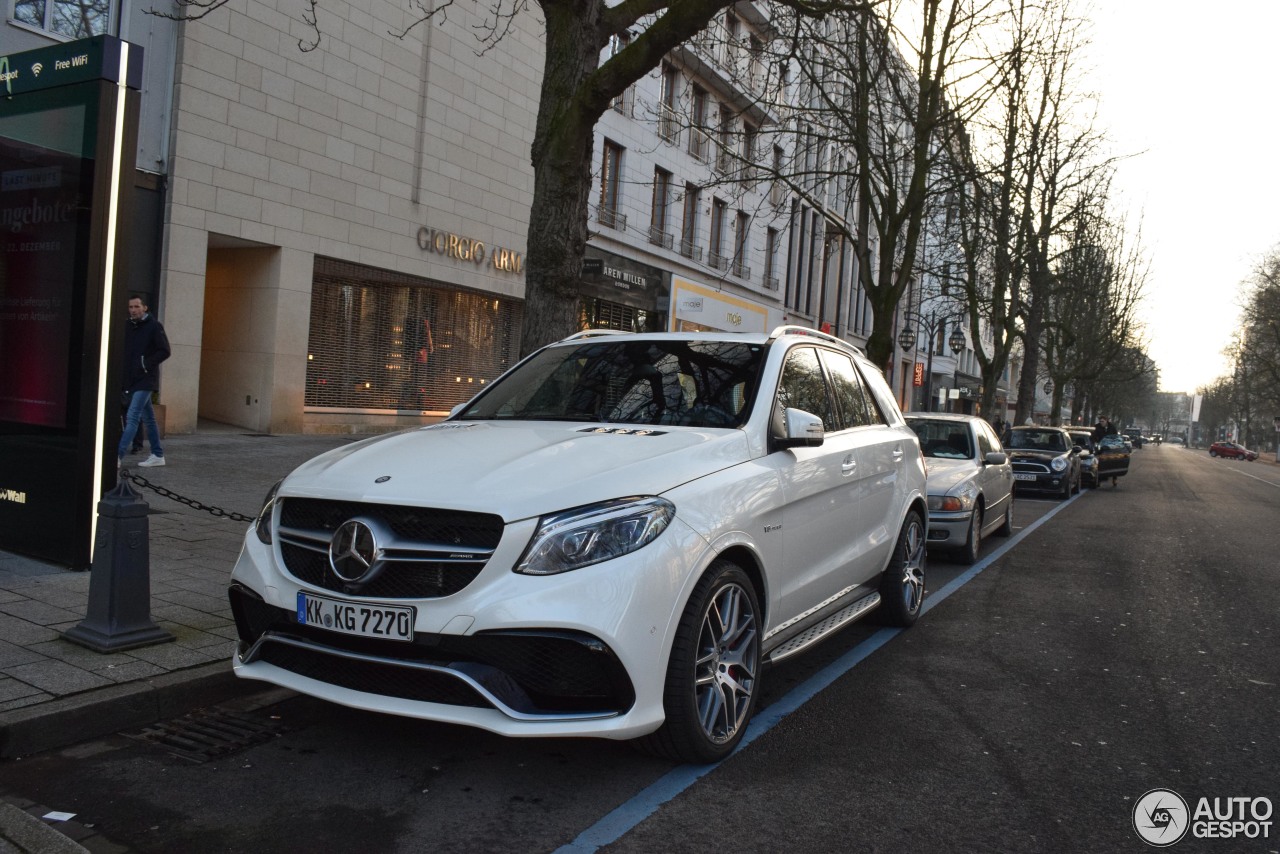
(1058, 464)
(595, 533)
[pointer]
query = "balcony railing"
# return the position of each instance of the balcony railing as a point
(742, 271)
(717, 261)
(658, 237)
(668, 123)
(770, 283)
(777, 194)
(699, 143)
(610, 218)
(690, 250)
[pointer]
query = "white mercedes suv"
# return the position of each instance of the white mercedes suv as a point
(610, 540)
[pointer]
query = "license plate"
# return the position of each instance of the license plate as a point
(1021, 476)
(390, 622)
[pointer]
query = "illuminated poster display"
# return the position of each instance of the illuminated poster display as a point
(68, 131)
(45, 184)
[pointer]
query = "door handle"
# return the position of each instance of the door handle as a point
(897, 455)
(847, 467)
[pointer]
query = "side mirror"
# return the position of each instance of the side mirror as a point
(455, 410)
(800, 429)
(996, 458)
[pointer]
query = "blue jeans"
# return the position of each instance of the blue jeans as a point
(140, 410)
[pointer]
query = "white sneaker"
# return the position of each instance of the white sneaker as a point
(152, 460)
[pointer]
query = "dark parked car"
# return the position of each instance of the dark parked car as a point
(1045, 459)
(1088, 457)
(1232, 451)
(969, 482)
(1113, 457)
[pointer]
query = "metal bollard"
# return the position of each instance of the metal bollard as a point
(119, 616)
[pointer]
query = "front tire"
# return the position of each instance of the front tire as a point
(968, 553)
(1006, 527)
(713, 674)
(902, 588)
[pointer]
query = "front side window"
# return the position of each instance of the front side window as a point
(803, 387)
(851, 398)
(670, 382)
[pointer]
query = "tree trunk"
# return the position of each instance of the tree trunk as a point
(561, 156)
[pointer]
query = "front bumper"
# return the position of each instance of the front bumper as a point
(949, 529)
(582, 653)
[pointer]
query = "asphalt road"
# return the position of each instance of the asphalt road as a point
(1127, 643)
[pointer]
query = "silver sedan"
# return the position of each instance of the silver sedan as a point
(970, 482)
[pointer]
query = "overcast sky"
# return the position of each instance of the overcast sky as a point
(1193, 85)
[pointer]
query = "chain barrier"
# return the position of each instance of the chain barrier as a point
(139, 480)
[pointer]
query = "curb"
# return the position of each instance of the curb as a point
(30, 834)
(131, 705)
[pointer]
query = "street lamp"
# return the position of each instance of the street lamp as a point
(931, 324)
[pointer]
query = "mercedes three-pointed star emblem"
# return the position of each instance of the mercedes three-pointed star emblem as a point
(353, 551)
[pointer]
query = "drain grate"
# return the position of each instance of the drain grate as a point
(208, 734)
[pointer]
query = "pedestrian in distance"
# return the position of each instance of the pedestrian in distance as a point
(1102, 428)
(145, 346)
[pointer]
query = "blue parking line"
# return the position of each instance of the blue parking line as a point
(645, 803)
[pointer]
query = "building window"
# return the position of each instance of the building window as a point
(381, 340)
(724, 141)
(668, 125)
(755, 48)
(715, 252)
(732, 33)
(742, 229)
(689, 247)
(750, 142)
(698, 137)
(617, 43)
(778, 192)
(658, 232)
(74, 20)
(771, 259)
(610, 186)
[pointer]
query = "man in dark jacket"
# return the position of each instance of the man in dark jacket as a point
(145, 347)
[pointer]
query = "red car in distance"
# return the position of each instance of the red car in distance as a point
(1232, 450)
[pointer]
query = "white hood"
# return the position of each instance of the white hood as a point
(516, 469)
(943, 475)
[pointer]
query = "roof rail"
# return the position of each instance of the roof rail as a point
(595, 333)
(792, 329)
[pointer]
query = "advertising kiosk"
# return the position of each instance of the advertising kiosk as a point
(68, 137)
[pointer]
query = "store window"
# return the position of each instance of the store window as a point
(72, 20)
(382, 341)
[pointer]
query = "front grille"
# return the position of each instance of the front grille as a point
(1030, 467)
(555, 671)
(436, 552)
(457, 528)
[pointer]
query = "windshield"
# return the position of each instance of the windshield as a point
(1038, 440)
(945, 440)
(668, 382)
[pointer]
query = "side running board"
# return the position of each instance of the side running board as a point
(818, 631)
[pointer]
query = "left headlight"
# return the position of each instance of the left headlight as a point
(1058, 463)
(954, 502)
(262, 525)
(598, 532)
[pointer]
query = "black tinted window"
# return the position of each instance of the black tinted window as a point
(851, 397)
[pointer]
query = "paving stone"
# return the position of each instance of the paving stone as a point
(56, 677)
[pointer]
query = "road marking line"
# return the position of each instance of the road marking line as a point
(611, 827)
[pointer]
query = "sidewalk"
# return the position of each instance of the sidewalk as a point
(54, 693)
